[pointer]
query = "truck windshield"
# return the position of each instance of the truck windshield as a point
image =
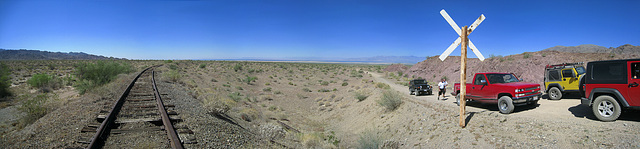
(501, 78)
(420, 81)
(580, 70)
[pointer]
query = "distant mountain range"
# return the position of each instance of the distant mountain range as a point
(590, 48)
(372, 60)
(46, 55)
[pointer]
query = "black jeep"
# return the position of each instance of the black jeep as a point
(419, 86)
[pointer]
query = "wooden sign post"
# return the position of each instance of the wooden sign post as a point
(464, 40)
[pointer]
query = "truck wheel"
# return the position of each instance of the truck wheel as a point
(505, 105)
(554, 93)
(410, 92)
(458, 99)
(606, 108)
(417, 93)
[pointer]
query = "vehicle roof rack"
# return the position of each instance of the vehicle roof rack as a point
(563, 65)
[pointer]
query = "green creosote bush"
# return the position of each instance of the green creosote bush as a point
(5, 80)
(526, 55)
(268, 89)
(250, 79)
(390, 100)
(96, 74)
(345, 84)
(45, 82)
(39, 80)
(203, 65)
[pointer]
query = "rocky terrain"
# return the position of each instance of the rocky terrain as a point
(528, 66)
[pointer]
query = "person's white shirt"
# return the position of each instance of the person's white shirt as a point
(442, 85)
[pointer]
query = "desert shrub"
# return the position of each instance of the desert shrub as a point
(39, 80)
(272, 108)
(239, 88)
(361, 95)
(235, 96)
(173, 75)
(5, 81)
(268, 89)
(390, 100)
(324, 83)
(99, 73)
(173, 67)
(249, 114)
(203, 65)
(306, 90)
(250, 79)
(312, 140)
(526, 55)
(221, 105)
(168, 61)
(345, 84)
(324, 90)
(45, 82)
(382, 85)
(237, 67)
(34, 108)
(369, 140)
(277, 92)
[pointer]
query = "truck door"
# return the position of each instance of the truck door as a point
(634, 81)
(569, 79)
(477, 86)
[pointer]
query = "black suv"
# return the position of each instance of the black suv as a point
(419, 86)
(609, 86)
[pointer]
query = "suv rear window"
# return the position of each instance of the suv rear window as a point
(608, 73)
(554, 75)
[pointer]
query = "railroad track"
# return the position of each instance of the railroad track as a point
(139, 118)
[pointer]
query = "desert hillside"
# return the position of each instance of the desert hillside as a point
(529, 66)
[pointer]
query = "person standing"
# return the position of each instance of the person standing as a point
(443, 88)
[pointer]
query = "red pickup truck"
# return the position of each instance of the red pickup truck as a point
(504, 89)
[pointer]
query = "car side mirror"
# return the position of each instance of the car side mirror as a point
(483, 82)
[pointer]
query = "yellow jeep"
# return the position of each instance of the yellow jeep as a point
(562, 78)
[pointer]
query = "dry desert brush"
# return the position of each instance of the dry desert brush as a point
(390, 100)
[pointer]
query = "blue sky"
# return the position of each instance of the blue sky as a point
(222, 29)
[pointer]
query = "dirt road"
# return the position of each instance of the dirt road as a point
(568, 109)
(551, 124)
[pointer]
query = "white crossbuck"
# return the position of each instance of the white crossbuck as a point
(455, 44)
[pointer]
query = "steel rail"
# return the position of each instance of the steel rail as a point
(168, 126)
(98, 139)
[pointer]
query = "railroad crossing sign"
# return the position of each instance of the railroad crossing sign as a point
(455, 43)
(464, 40)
